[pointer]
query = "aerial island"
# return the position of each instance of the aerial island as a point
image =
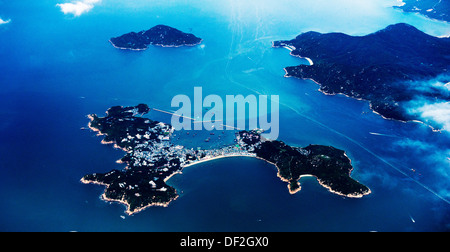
(152, 158)
(160, 35)
(389, 68)
(435, 9)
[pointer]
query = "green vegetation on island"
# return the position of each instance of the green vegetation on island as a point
(160, 35)
(391, 69)
(151, 159)
(329, 165)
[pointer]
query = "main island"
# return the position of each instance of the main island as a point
(152, 159)
(160, 35)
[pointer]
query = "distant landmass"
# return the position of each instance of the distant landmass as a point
(389, 68)
(160, 35)
(435, 9)
(151, 159)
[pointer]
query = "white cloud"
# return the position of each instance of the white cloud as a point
(438, 112)
(78, 7)
(432, 111)
(432, 86)
(4, 22)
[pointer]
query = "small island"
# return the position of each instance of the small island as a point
(152, 159)
(391, 68)
(160, 35)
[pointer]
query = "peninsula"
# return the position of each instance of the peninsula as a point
(390, 68)
(434, 9)
(151, 159)
(160, 35)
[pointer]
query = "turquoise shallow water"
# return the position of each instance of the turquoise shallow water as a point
(56, 69)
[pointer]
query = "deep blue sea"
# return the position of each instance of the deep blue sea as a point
(56, 68)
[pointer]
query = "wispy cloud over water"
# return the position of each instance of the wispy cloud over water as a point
(4, 21)
(435, 163)
(77, 8)
(434, 155)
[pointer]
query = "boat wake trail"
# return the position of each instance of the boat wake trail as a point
(368, 151)
(237, 37)
(381, 134)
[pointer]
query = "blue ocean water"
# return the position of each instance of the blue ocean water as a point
(56, 68)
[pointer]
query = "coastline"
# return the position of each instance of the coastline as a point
(292, 192)
(311, 63)
(395, 106)
(292, 48)
(176, 46)
(125, 48)
(361, 99)
(122, 201)
(99, 133)
(212, 156)
(157, 45)
(280, 177)
(204, 160)
(166, 204)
